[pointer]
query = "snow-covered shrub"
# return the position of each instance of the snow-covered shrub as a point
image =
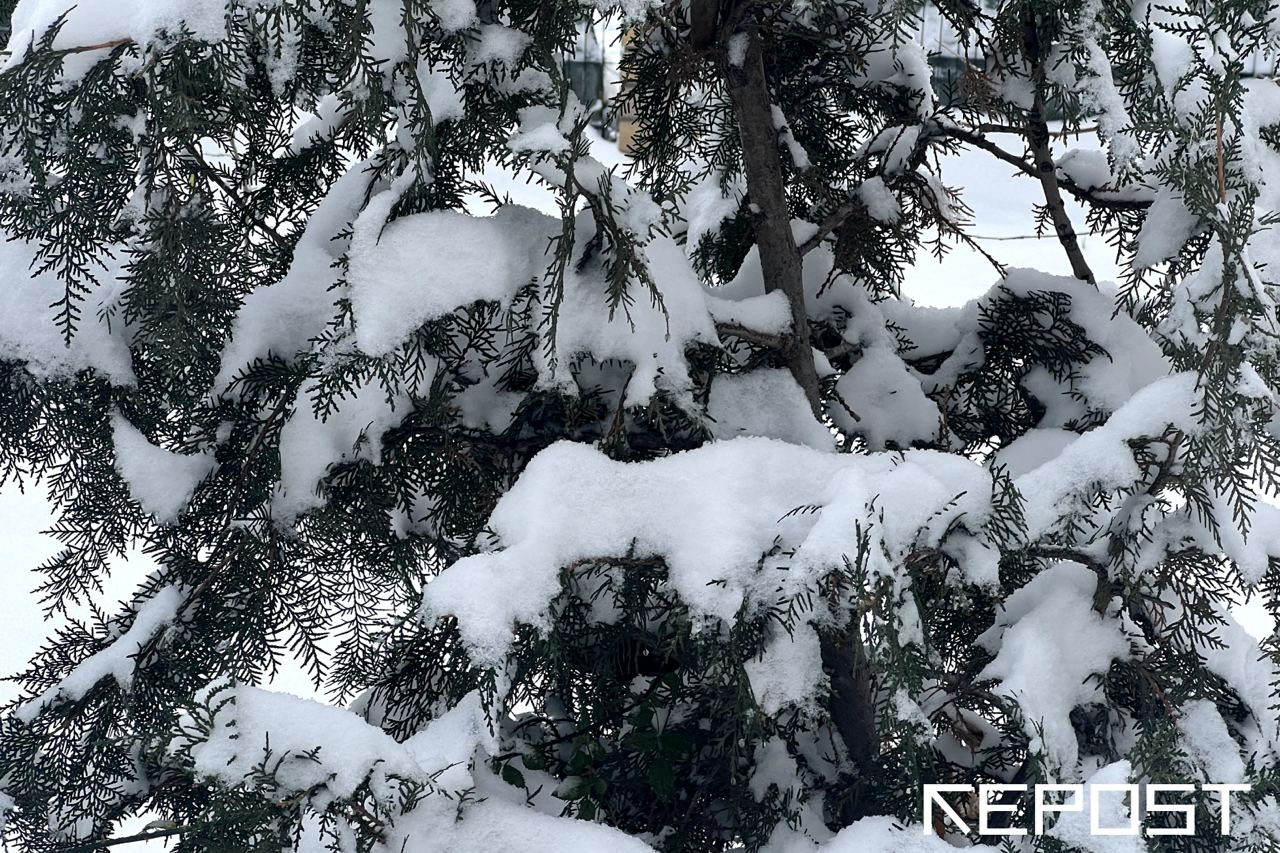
(657, 518)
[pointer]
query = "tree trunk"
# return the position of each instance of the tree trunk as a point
(851, 701)
(1042, 154)
(779, 257)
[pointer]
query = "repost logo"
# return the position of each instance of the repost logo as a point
(999, 799)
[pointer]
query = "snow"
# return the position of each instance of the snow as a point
(91, 22)
(1165, 230)
(284, 317)
(320, 753)
(788, 671)
(318, 126)
(1032, 449)
(257, 724)
(651, 337)
(710, 513)
(161, 481)
(454, 15)
(1133, 360)
(496, 43)
(1075, 827)
(424, 266)
(1209, 744)
(767, 403)
(867, 835)
(1102, 455)
(1237, 659)
(540, 129)
(768, 313)
(1085, 167)
(889, 404)
(29, 333)
(116, 660)
(707, 205)
(879, 200)
(1048, 641)
(483, 406)
(421, 267)
(311, 442)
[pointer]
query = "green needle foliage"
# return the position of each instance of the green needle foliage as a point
(501, 482)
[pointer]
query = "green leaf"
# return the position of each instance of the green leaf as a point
(512, 776)
(662, 777)
(572, 788)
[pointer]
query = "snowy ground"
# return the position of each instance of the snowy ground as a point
(1002, 205)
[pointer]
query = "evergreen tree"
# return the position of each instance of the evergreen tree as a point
(666, 521)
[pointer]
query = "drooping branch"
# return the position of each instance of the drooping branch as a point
(196, 157)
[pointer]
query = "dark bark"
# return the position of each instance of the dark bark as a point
(780, 259)
(1042, 154)
(851, 700)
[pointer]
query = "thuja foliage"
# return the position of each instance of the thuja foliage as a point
(657, 517)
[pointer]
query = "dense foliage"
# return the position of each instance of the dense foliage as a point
(658, 517)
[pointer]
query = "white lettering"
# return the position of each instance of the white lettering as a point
(1095, 813)
(932, 795)
(1042, 805)
(1224, 797)
(1188, 809)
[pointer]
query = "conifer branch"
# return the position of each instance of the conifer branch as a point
(1088, 196)
(197, 157)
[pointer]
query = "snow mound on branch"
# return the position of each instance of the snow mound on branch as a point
(766, 403)
(868, 835)
(90, 22)
(789, 669)
(28, 332)
(1032, 449)
(311, 441)
(885, 402)
(1133, 360)
(283, 318)
(1075, 828)
(255, 723)
(1102, 455)
(161, 481)
(424, 266)
(116, 660)
(326, 753)
(1208, 742)
(710, 513)
(1048, 642)
(1236, 659)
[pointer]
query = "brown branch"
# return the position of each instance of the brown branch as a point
(103, 45)
(90, 846)
(833, 221)
(764, 339)
(1088, 196)
(1038, 142)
